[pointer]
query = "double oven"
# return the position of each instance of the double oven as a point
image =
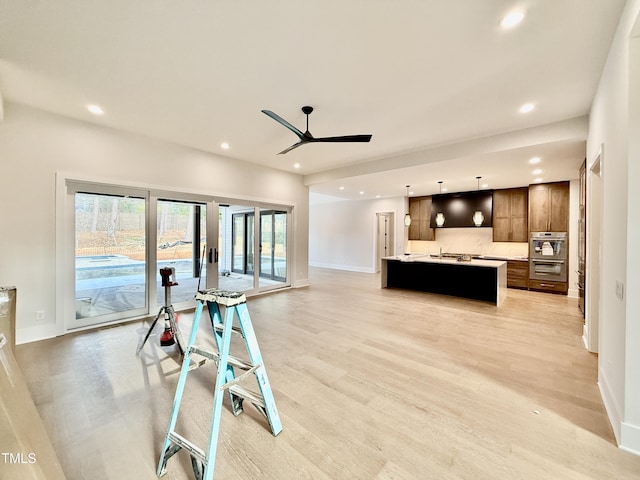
(548, 256)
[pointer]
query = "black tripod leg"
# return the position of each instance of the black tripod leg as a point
(149, 331)
(176, 330)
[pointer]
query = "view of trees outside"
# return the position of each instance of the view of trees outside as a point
(110, 225)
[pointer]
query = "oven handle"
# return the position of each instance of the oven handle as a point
(547, 261)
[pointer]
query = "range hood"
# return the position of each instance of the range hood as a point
(458, 208)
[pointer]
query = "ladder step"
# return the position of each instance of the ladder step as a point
(234, 329)
(223, 297)
(253, 397)
(236, 362)
(185, 444)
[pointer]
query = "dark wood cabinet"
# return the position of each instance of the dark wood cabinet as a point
(420, 211)
(549, 207)
(547, 286)
(510, 208)
(518, 274)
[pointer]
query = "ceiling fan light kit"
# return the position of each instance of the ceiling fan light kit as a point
(306, 137)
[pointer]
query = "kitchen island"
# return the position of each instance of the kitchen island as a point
(477, 279)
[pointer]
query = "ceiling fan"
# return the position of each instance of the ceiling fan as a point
(306, 137)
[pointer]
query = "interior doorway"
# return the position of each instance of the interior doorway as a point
(385, 234)
(594, 254)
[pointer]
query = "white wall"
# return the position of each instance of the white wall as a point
(619, 329)
(35, 145)
(342, 233)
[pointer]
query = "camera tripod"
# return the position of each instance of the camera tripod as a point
(171, 332)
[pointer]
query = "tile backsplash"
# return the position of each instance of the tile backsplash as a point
(468, 240)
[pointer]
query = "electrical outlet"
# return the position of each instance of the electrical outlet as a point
(619, 289)
(40, 316)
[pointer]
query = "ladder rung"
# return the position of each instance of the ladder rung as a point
(235, 361)
(188, 446)
(253, 397)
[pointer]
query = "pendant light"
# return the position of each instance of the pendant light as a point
(407, 217)
(440, 216)
(478, 217)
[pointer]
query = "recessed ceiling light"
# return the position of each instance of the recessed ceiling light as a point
(527, 107)
(534, 160)
(512, 19)
(361, 193)
(377, 196)
(225, 146)
(444, 189)
(537, 171)
(296, 165)
(341, 188)
(485, 185)
(537, 180)
(95, 109)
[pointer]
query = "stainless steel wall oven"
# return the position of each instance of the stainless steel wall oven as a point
(548, 256)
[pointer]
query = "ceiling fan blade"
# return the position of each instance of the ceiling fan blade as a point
(295, 145)
(345, 138)
(284, 123)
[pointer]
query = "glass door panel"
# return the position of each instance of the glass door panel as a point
(239, 238)
(273, 248)
(110, 258)
(280, 246)
(181, 237)
(250, 244)
(266, 244)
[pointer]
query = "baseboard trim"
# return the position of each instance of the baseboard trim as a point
(630, 438)
(36, 333)
(610, 405)
(348, 268)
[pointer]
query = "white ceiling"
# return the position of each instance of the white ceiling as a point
(437, 82)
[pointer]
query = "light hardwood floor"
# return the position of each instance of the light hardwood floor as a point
(370, 384)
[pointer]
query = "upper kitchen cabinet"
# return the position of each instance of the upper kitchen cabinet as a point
(510, 215)
(549, 207)
(420, 211)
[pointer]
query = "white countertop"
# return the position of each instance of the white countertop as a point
(418, 257)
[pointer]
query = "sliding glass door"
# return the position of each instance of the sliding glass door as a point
(123, 237)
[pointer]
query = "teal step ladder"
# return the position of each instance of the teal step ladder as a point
(203, 461)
